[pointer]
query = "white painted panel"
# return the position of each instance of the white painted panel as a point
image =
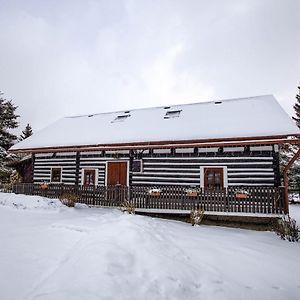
(91, 152)
(211, 158)
(251, 173)
(208, 150)
(261, 148)
(251, 178)
(163, 183)
(162, 151)
(43, 154)
(184, 150)
(169, 178)
(66, 153)
(117, 152)
(167, 173)
(233, 149)
(250, 184)
(207, 164)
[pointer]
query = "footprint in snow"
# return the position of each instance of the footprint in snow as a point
(69, 227)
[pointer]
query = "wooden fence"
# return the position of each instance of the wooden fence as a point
(264, 200)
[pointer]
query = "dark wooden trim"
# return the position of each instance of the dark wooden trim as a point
(77, 170)
(276, 164)
(33, 166)
(131, 157)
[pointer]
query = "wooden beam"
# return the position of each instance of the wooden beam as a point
(286, 181)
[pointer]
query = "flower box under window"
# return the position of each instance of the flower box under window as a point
(192, 192)
(154, 192)
(241, 194)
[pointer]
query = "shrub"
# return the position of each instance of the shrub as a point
(129, 207)
(197, 216)
(6, 187)
(287, 229)
(68, 199)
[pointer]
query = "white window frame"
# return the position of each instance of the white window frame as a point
(142, 166)
(90, 169)
(225, 174)
(58, 167)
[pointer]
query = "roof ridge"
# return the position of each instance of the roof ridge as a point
(165, 106)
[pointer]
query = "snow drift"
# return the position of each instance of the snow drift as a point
(94, 253)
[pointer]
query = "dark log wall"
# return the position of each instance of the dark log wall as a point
(45, 161)
(250, 166)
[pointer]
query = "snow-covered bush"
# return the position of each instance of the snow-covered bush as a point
(68, 199)
(197, 216)
(129, 207)
(287, 229)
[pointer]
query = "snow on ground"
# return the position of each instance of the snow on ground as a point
(295, 212)
(82, 253)
(31, 202)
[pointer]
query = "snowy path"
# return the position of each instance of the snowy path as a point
(82, 253)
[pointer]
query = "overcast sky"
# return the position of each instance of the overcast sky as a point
(60, 58)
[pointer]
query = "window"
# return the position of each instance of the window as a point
(137, 166)
(172, 114)
(120, 118)
(56, 175)
(89, 177)
(213, 178)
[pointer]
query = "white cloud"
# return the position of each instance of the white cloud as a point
(78, 57)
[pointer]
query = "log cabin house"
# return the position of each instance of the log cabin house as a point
(206, 147)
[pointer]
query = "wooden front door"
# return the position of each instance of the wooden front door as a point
(213, 178)
(116, 173)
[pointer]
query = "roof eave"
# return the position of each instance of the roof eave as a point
(275, 139)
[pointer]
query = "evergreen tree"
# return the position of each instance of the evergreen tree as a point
(288, 151)
(8, 120)
(27, 132)
(297, 108)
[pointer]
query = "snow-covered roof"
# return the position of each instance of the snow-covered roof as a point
(245, 117)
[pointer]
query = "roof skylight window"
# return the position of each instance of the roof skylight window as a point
(120, 118)
(172, 114)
